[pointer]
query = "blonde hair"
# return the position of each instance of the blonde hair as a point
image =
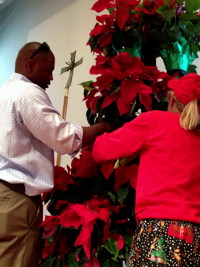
(190, 117)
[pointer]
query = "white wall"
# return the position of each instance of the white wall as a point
(65, 25)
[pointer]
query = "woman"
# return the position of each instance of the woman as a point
(168, 184)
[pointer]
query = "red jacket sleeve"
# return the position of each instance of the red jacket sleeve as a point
(123, 142)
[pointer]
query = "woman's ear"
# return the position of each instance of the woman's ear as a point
(170, 100)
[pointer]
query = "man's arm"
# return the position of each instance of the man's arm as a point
(91, 132)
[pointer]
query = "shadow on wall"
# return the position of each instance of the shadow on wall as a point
(16, 22)
(45, 7)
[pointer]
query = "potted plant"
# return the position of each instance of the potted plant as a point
(91, 207)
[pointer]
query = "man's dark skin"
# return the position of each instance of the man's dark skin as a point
(39, 69)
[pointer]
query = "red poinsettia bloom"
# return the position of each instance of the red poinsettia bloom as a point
(79, 215)
(131, 73)
(123, 14)
(120, 240)
(88, 218)
(49, 248)
(149, 7)
(84, 166)
(104, 30)
(119, 67)
(61, 179)
(101, 5)
(124, 174)
(121, 9)
(89, 100)
(59, 244)
(50, 225)
(70, 218)
(107, 168)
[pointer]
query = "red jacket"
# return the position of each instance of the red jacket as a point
(168, 183)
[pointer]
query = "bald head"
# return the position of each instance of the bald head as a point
(25, 53)
(36, 61)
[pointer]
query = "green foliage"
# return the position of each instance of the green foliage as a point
(150, 31)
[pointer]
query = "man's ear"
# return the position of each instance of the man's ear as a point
(29, 65)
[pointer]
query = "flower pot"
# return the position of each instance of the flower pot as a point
(134, 51)
(178, 56)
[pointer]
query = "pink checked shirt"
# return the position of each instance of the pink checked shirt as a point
(31, 129)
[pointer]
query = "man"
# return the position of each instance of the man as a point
(31, 130)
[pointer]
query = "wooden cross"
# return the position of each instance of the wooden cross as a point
(70, 67)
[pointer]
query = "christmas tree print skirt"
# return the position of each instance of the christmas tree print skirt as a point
(160, 242)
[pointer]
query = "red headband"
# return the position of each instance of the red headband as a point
(186, 88)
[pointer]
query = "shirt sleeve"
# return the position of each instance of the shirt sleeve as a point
(36, 113)
(124, 142)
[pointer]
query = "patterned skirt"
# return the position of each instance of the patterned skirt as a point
(160, 243)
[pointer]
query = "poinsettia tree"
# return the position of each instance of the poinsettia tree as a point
(92, 205)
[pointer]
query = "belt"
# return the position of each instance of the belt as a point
(19, 188)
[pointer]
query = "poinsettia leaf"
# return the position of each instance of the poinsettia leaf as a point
(71, 260)
(192, 68)
(192, 5)
(112, 196)
(188, 16)
(111, 246)
(168, 2)
(128, 239)
(120, 240)
(51, 261)
(166, 13)
(92, 263)
(122, 194)
(87, 85)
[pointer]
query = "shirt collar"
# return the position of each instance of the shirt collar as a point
(19, 76)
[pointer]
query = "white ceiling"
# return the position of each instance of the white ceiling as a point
(5, 3)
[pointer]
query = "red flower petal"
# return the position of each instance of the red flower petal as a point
(107, 168)
(122, 15)
(84, 213)
(100, 5)
(124, 174)
(50, 225)
(120, 240)
(84, 238)
(70, 218)
(104, 214)
(123, 107)
(105, 39)
(110, 99)
(129, 90)
(146, 100)
(85, 166)
(120, 177)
